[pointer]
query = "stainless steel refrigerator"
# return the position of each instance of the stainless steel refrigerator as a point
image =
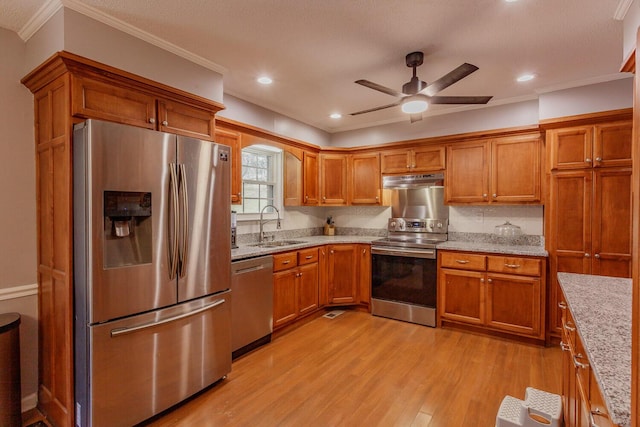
(152, 270)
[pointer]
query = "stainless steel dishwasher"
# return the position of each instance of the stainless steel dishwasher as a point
(251, 304)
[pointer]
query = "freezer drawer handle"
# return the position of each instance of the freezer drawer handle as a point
(124, 331)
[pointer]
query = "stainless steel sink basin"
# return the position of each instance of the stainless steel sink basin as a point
(277, 243)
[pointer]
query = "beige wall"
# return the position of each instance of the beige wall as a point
(18, 262)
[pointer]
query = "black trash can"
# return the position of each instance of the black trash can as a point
(10, 400)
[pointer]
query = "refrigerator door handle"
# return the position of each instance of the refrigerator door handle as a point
(124, 331)
(185, 220)
(173, 245)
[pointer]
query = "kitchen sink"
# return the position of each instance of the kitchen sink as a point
(278, 243)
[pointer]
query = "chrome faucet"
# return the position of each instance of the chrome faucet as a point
(263, 222)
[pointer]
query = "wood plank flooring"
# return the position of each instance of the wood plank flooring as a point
(361, 370)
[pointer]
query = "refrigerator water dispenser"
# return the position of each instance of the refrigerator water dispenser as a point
(127, 228)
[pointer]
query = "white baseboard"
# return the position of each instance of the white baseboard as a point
(29, 402)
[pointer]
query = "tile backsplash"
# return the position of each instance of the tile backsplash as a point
(483, 219)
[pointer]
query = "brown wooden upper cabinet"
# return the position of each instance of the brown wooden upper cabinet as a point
(581, 147)
(293, 182)
(311, 175)
(364, 184)
(333, 179)
(418, 159)
(91, 98)
(503, 170)
(233, 139)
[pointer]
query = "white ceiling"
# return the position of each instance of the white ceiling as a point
(316, 49)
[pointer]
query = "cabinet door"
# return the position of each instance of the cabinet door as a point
(515, 170)
(333, 179)
(569, 390)
(308, 288)
(611, 231)
(461, 296)
(364, 275)
(310, 178)
(232, 139)
(182, 119)
(342, 286)
(467, 174)
(285, 308)
(570, 148)
(365, 179)
(395, 161)
(428, 159)
(612, 144)
(96, 100)
(292, 186)
(514, 304)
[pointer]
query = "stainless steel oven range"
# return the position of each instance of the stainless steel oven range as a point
(404, 264)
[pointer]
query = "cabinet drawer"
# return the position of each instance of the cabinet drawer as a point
(462, 261)
(285, 261)
(307, 256)
(514, 265)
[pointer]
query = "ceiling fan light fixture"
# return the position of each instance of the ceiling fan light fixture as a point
(415, 104)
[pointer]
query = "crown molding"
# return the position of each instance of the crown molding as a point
(622, 9)
(52, 6)
(48, 9)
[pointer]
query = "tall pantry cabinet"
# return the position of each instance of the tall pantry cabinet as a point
(68, 89)
(588, 211)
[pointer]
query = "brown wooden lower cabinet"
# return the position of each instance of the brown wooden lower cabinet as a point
(342, 285)
(582, 400)
(494, 292)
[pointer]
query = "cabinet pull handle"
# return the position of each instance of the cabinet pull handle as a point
(564, 346)
(152, 120)
(579, 364)
(364, 252)
(562, 305)
(512, 265)
(592, 421)
(286, 262)
(308, 257)
(462, 261)
(165, 123)
(588, 160)
(569, 328)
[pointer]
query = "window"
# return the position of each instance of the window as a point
(261, 179)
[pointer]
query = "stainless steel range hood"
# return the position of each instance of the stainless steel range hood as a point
(413, 181)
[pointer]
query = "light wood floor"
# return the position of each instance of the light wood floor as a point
(361, 370)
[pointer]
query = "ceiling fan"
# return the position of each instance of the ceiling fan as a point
(416, 95)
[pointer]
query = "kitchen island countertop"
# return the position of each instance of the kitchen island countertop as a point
(601, 309)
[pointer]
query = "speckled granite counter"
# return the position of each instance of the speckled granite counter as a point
(601, 308)
(248, 251)
(457, 245)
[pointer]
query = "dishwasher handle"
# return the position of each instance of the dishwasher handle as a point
(249, 269)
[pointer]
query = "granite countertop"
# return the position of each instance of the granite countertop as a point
(248, 251)
(601, 309)
(459, 245)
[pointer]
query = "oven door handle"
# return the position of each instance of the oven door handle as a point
(423, 253)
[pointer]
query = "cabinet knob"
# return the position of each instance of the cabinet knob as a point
(165, 123)
(485, 195)
(408, 166)
(481, 280)
(489, 281)
(587, 255)
(597, 256)
(588, 160)
(306, 197)
(364, 252)
(494, 195)
(377, 198)
(324, 198)
(413, 165)
(598, 159)
(331, 250)
(240, 194)
(152, 120)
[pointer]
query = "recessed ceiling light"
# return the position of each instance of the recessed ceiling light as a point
(264, 80)
(526, 77)
(511, 1)
(336, 116)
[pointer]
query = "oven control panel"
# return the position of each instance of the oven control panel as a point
(417, 225)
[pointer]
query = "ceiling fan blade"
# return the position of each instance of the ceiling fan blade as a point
(415, 117)
(459, 99)
(376, 108)
(448, 79)
(379, 88)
